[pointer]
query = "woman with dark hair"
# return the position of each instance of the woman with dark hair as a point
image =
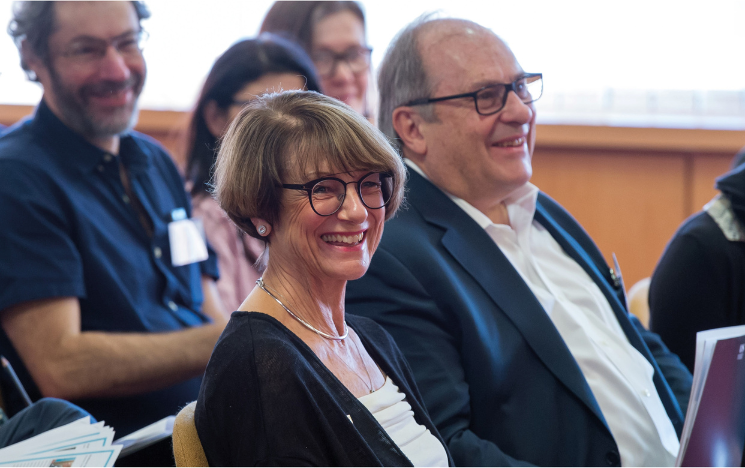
(246, 70)
(333, 34)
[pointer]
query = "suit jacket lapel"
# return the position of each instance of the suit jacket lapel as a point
(477, 253)
(596, 267)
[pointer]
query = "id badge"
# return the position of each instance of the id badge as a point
(186, 237)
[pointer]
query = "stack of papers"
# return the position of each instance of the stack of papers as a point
(146, 436)
(79, 443)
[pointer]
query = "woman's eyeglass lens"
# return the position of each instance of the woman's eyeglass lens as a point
(327, 194)
(357, 58)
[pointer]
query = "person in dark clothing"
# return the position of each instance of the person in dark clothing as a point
(699, 282)
(503, 305)
(292, 380)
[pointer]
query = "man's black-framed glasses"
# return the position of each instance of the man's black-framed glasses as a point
(327, 194)
(326, 61)
(492, 99)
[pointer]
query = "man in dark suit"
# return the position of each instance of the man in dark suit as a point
(513, 323)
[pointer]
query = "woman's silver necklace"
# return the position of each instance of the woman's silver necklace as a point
(362, 360)
(260, 282)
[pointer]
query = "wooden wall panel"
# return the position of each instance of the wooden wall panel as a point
(629, 187)
(629, 202)
(706, 168)
(173, 141)
(643, 139)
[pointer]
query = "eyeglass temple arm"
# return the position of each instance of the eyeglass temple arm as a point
(420, 101)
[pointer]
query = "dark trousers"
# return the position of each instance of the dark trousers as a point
(41, 416)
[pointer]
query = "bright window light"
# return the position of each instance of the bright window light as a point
(660, 63)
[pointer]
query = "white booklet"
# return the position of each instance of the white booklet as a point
(146, 436)
(79, 443)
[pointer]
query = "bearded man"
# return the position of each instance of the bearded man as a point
(97, 304)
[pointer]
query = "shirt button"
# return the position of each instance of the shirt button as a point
(107, 158)
(612, 458)
(173, 306)
(100, 168)
(158, 253)
(646, 392)
(125, 198)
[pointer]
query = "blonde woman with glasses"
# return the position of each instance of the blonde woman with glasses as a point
(294, 380)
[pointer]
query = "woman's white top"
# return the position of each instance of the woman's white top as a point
(394, 414)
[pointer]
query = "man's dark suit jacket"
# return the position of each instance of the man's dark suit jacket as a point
(496, 376)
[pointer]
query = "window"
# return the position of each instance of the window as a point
(669, 63)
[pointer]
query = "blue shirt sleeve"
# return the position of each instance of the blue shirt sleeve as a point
(39, 257)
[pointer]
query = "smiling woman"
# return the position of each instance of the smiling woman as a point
(292, 378)
(333, 34)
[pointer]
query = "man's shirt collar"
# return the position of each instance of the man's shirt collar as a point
(79, 152)
(520, 204)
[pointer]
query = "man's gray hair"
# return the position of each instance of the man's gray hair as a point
(402, 78)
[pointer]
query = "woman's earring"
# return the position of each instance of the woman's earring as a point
(261, 229)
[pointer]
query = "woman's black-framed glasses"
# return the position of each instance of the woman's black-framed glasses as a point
(327, 194)
(492, 99)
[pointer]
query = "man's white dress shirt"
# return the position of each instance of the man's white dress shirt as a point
(618, 375)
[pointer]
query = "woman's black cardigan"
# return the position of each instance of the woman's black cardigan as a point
(266, 399)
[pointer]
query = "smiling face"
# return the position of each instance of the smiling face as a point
(95, 98)
(336, 247)
(481, 159)
(338, 33)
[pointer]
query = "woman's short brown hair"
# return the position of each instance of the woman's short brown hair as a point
(289, 134)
